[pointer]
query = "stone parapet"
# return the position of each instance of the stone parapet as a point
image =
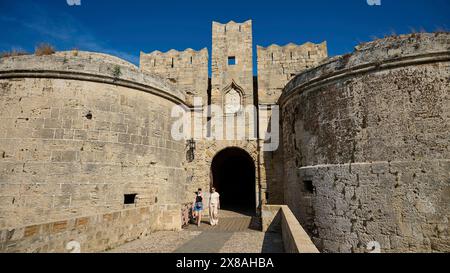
(88, 66)
(93, 233)
(277, 218)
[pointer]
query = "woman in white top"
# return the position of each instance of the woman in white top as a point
(214, 206)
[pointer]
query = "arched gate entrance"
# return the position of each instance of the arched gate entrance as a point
(233, 172)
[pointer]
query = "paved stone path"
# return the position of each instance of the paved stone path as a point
(207, 242)
(235, 233)
(229, 222)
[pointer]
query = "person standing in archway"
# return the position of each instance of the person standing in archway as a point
(214, 206)
(198, 207)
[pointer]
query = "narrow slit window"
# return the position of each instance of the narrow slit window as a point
(191, 59)
(129, 199)
(173, 63)
(232, 60)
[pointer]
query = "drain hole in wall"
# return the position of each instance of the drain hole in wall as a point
(89, 115)
(309, 186)
(129, 199)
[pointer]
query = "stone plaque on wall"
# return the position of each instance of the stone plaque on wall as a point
(232, 102)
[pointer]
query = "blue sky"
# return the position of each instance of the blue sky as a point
(124, 28)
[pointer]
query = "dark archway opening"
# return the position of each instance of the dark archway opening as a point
(233, 172)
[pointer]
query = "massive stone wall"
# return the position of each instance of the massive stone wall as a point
(366, 146)
(188, 70)
(277, 65)
(77, 133)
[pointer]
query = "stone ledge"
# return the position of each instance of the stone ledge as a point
(87, 68)
(373, 163)
(58, 74)
(301, 84)
(378, 55)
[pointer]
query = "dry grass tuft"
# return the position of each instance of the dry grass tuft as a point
(44, 50)
(13, 53)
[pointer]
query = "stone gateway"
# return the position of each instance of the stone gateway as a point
(87, 154)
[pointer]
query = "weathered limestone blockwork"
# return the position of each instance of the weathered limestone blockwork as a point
(366, 147)
(401, 205)
(277, 65)
(272, 171)
(199, 172)
(77, 136)
(188, 70)
(93, 233)
(272, 176)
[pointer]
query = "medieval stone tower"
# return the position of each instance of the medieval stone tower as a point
(232, 66)
(240, 94)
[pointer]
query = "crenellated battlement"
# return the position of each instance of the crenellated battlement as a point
(292, 51)
(183, 56)
(232, 26)
(277, 65)
(187, 69)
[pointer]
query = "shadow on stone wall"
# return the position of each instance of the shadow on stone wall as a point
(273, 165)
(273, 243)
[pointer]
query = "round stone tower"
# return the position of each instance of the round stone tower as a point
(366, 139)
(86, 135)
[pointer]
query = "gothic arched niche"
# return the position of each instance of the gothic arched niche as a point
(233, 99)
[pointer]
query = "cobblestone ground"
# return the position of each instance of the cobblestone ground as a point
(253, 242)
(158, 242)
(204, 242)
(235, 234)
